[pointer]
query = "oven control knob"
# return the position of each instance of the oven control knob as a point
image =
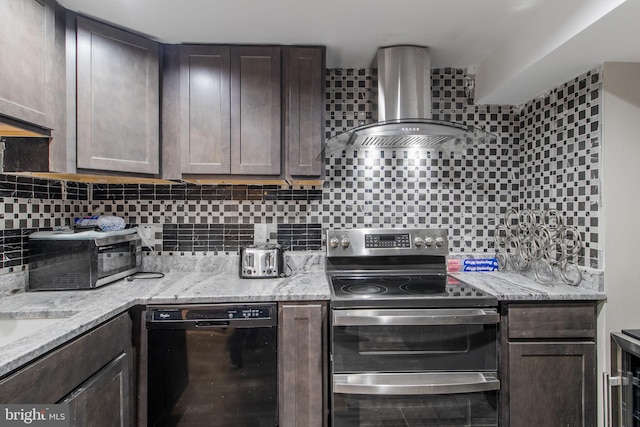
(418, 241)
(334, 243)
(345, 243)
(428, 242)
(439, 241)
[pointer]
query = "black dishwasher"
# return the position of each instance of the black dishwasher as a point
(212, 365)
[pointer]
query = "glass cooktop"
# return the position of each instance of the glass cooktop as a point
(432, 290)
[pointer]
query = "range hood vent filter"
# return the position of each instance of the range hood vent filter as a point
(405, 141)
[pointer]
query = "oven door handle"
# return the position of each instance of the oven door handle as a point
(415, 317)
(427, 383)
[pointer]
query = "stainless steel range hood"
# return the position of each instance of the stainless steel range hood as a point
(404, 109)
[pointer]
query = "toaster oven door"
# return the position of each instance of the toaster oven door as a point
(81, 264)
(115, 260)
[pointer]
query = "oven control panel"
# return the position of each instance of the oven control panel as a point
(383, 241)
(386, 241)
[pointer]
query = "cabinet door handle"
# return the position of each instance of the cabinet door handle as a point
(607, 383)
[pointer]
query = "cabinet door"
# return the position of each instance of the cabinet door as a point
(301, 355)
(304, 110)
(117, 100)
(552, 384)
(255, 110)
(27, 31)
(205, 110)
(103, 400)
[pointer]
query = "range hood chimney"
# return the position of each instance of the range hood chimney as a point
(404, 83)
(403, 114)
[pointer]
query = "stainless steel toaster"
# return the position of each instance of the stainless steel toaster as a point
(261, 261)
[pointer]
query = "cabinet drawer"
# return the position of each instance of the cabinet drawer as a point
(571, 320)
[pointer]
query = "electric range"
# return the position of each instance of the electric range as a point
(409, 344)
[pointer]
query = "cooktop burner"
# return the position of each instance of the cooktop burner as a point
(395, 267)
(363, 289)
(403, 290)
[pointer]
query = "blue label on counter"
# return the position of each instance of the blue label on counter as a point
(480, 264)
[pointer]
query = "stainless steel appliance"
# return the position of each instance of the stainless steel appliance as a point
(410, 346)
(259, 262)
(212, 365)
(404, 108)
(622, 388)
(65, 260)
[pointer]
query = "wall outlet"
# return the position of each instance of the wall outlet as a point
(147, 232)
(265, 233)
(260, 233)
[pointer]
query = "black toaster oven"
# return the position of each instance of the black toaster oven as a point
(84, 260)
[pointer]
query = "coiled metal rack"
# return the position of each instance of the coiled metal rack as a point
(539, 241)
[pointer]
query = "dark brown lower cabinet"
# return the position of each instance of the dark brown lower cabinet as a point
(103, 400)
(91, 373)
(302, 360)
(549, 365)
(552, 384)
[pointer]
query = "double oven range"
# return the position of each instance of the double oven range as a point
(410, 346)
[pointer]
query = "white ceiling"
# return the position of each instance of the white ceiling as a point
(518, 48)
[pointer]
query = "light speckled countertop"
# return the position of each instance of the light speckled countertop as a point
(210, 280)
(514, 286)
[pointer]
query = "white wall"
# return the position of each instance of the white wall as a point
(620, 203)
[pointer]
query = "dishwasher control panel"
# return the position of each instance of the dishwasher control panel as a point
(211, 314)
(248, 313)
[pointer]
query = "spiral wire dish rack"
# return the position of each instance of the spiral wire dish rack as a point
(539, 241)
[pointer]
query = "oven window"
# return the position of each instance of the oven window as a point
(412, 348)
(451, 410)
(389, 340)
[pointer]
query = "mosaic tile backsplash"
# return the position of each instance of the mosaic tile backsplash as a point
(546, 155)
(560, 166)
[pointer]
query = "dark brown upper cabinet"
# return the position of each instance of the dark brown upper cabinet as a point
(118, 100)
(222, 111)
(27, 56)
(242, 111)
(304, 110)
(256, 135)
(205, 109)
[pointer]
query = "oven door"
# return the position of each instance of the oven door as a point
(414, 340)
(412, 400)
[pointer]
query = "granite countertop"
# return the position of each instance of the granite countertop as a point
(514, 286)
(210, 280)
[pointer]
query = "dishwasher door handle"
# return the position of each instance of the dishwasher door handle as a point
(415, 383)
(212, 324)
(415, 317)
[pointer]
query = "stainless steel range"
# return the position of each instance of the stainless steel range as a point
(410, 345)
